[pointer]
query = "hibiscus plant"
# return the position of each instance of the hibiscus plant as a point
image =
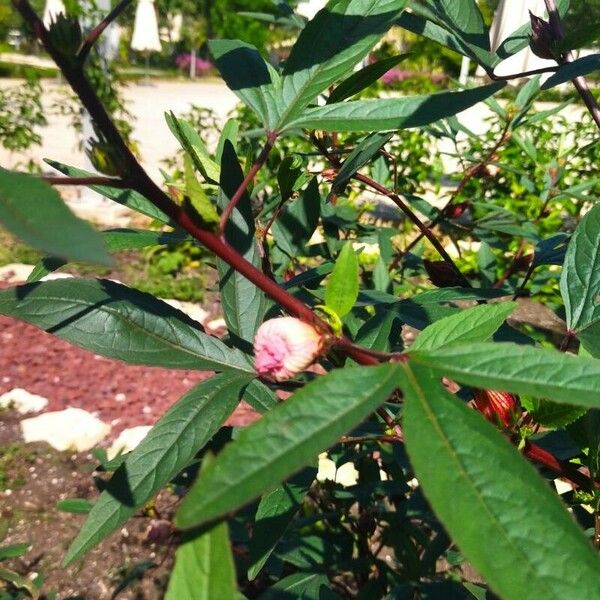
(363, 338)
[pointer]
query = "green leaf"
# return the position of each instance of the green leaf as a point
(116, 240)
(275, 512)
(286, 439)
(580, 280)
(358, 158)
(392, 113)
(14, 550)
(201, 204)
(583, 36)
(346, 31)
(168, 448)
(521, 370)
(496, 497)
(128, 198)
(229, 133)
(244, 305)
(19, 581)
(79, 506)
(364, 78)
(298, 220)
(204, 568)
(248, 75)
(192, 143)
(553, 415)
(341, 291)
(476, 324)
(119, 322)
(301, 586)
(260, 397)
(34, 212)
(291, 176)
(577, 68)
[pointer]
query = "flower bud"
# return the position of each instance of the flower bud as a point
(542, 39)
(500, 408)
(284, 347)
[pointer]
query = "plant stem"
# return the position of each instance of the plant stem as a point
(254, 169)
(139, 180)
(95, 33)
(563, 469)
(425, 231)
(490, 73)
(579, 82)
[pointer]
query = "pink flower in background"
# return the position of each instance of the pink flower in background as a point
(284, 347)
(183, 62)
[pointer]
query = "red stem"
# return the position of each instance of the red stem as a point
(563, 469)
(260, 161)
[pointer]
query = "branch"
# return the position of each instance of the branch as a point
(139, 180)
(260, 161)
(425, 231)
(490, 73)
(95, 33)
(579, 82)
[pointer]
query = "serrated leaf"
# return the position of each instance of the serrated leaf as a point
(275, 512)
(286, 439)
(553, 415)
(119, 322)
(392, 113)
(79, 506)
(341, 291)
(198, 199)
(14, 550)
(204, 568)
(580, 280)
(496, 496)
(116, 240)
(168, 448)
(33, 211)
(519, 369)
(476, 324)
(346, 31)
(249, 77)
(568, 71)
(129, 198)
(193, 145)
(301, 586)
(244, 305)
(260, 397)
(363, 78)
(298, 220)
(358, 158)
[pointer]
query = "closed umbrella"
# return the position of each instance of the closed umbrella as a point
(52, 9)
(145, 30)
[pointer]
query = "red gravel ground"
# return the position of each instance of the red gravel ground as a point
(120, 394)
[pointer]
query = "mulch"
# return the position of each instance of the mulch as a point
(68, 376)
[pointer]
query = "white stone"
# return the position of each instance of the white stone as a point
(128, 440)
(191, 309)
(23, 401)
(15, 272)
(70, 429)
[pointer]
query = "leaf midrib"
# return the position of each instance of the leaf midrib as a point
(135, 326)
(461, 470)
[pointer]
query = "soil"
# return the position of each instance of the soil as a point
(33, 477)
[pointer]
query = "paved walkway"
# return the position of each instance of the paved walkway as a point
(149, 103)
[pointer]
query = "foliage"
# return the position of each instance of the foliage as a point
(430, 384)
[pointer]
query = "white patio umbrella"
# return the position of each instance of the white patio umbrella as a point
(309, 8)
(510, 15)
(145, 30)
(52, 9)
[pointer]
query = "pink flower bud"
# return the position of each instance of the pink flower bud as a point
(284, 347)
(501, 408)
